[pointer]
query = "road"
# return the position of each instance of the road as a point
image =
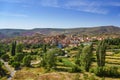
(11, 70)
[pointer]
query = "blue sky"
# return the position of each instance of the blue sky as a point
(28, 14)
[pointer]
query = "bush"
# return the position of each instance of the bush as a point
(76, 69)
(16, 65)
(116, 51)
(19, 57)
(74, 48)
(34, 52)
(107, 71)
(92, 70)
(10, 61)
(5, 57)
(2, 70)
(27, 60)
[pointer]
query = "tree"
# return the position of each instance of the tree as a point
(19, 57)
(44, 48)
(3, 49)
(77, 58)
(86, 57)
(13, 48)
(19, 48)
(27, 60)
(100, 53)
(1, 68)
(49, 59)
(2, 71)
(0, 65)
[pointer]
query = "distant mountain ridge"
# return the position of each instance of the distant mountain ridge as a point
(6, 33)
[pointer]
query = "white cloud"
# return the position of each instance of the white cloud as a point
(75, 3)
(91, 6)
(95, 10)
(85, 6)
(19, 1)
(119, 15)
(12, 14)
(12, 1)
(117, 4)
(79, 5)
(50, 3)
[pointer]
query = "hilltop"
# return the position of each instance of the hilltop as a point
(6, 33)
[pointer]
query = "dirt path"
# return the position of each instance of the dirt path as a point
(11, 70)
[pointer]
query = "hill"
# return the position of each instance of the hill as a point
(6, 33)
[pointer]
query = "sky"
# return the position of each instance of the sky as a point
(29, 14)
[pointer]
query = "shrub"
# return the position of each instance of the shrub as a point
(27, 60)
(99, 71)
(74, 48)
(5, 57)
(107, 71)
(116, 51)
(76, 69)
(10, 61)
(2, 70)
(92, 70)
(19, 57)
(16, 65)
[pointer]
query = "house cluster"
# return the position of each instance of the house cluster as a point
(56, 40)
(69, 40)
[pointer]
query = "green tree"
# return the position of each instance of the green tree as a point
(2, 71)
(19, 48)
(13, 48)
(0, 65)
(86, 57)
(1, 68)
(44, 48)
(49, 59)
(101, 53)
(19, 57)
(3, 49)
(27, 60)
(77, 58)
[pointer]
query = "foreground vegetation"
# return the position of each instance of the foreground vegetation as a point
(97, 60)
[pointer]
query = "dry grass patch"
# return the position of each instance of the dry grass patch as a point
(57, 76)
(28, 73)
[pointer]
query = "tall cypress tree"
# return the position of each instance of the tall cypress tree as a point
(101, 53)
(13, 48)
(86, 57)
(44, 48)
(77, 58)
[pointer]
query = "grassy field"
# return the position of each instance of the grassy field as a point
(40, 74)
(36, 74)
